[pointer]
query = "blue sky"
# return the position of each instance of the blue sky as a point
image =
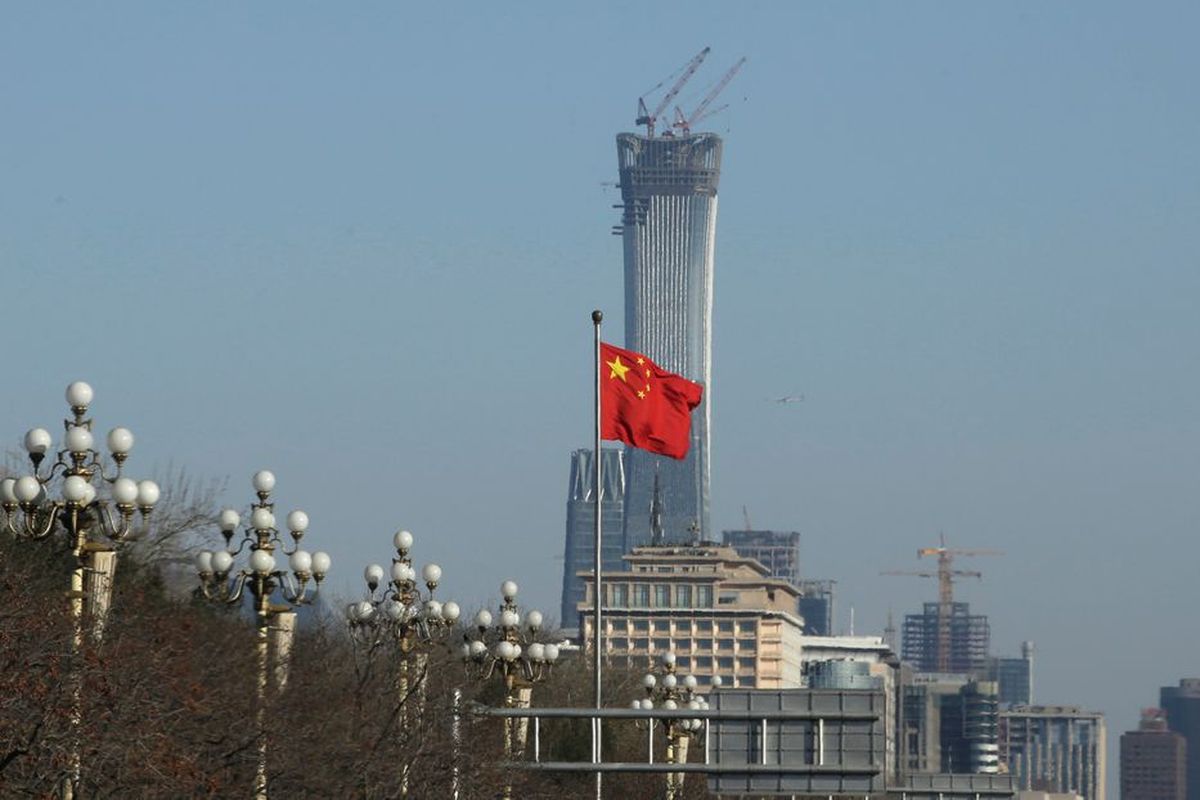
(360, 246)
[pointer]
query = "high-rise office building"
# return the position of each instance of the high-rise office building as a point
(579, 553)
(1055, 749)
(1153, 760)
(816, 606)
(1182, 704)
(669, 224)
(967, 634)
(778, 551)
(969, 730)
(1014, 676)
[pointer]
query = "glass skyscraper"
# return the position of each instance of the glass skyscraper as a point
(668, 225)
(579, 554)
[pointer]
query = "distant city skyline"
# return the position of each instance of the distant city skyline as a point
(361, 248)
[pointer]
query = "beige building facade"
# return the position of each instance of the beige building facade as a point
(720, 613)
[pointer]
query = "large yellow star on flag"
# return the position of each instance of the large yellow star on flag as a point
(618, 369)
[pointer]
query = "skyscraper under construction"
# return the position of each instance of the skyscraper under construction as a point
(669, 226)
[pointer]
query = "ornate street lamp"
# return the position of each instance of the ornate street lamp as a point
(95, 508)
(402, 616)
(507, 650)
(264, 582)
(669, 691)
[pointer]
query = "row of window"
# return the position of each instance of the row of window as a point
(721, 664)
(682, 646)
(657, 595)
(684, 627)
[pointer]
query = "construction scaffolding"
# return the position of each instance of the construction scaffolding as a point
(957, 642)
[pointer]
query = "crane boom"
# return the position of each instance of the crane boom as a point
(647, 118)
(698, 114)
(945, 576)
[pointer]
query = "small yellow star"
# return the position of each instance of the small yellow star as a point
(641, 395)
(647, 387)
(641, 361)
(618, 369)
(647, 373)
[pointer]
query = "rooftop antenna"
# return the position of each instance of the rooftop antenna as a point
(656, 525)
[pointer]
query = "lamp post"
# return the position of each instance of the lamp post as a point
(93, 525)
(401, 615)
(509, 651)
(218, 585)
(669, 691)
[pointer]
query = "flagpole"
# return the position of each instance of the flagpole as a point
(598, 636)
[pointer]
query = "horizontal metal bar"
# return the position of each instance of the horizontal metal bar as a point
(714, 769)
(711, 713)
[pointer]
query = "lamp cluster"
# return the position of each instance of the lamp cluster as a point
(507, 648)
(401, 610)
(81, 508)
(263, 538)
(670, 692)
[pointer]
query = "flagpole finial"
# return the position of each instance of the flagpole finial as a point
(597, 316)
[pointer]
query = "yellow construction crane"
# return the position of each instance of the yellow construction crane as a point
(945, 577)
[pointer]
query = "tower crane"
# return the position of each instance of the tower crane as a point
(645, 117)
(945, 577)
(685, 123)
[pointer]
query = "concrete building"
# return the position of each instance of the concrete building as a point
(1182, 704)
(1055, 749)
(579, 549)
(720, 613)
(968, 635)
(1153, 760)
(668, 226)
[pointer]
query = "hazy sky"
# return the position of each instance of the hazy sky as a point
(359, 245)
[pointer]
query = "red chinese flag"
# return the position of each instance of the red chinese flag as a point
(643, 405)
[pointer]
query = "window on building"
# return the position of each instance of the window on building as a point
(683, 596)
(704, 644)
(683, 662)
(725, 645)
(641, 644)
(683, 645)
(662, 595)
(704, 596)
(641, 595)
(725, 626)
(621, 595)
(725, 664)
(704, 626)
(662, 645)
(619, 643)
(747, 644)
(745, 663)
(641, 625)
(703, 662)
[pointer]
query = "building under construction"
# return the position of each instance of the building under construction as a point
(967, 640)
(946, 637)
(669, 225)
